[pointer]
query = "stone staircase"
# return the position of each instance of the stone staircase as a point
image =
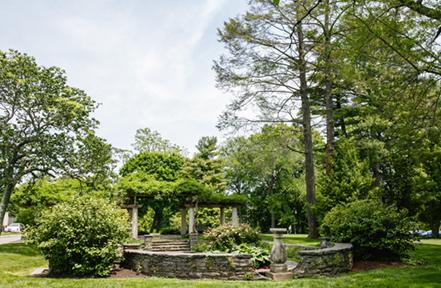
(170, 244)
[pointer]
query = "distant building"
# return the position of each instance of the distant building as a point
(8, 219)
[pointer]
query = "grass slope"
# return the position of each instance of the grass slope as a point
(18, 260)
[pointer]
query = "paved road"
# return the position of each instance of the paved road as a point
(10, 239)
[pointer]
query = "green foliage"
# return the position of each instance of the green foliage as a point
(30, 199)
(207, 218)
(92, 164)
(268, 169)
(80, 237)
(147, 140)
(163, 166)
(349, 179)
(206, 166)
(43, 124)
(170, 231)
(261, 256)
(427, 180)
(375, 230)
(226, 237)
(146, 219)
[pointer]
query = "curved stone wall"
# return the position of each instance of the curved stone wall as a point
(335, 258)
(230, 266)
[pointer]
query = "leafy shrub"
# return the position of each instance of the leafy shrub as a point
(227, 236)
(375, 230)
(27, 216)
(261, 256)
(80, 237)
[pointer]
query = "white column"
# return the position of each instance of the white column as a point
(191, 220)
(183, 221)
(222, 215)
(234, 217)
(135, 222)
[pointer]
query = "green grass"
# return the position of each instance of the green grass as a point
(9, 234)
(18, 260)
(299, 239)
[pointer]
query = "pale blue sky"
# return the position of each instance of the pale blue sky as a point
(147, 62)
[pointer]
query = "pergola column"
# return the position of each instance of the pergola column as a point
(234, 217)
(133, 214)
(183, 221)
(222, 215)
(191, 222)
(135, 222)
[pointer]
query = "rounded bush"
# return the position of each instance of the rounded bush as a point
(80, 237)
(226, 237)
(376, 231)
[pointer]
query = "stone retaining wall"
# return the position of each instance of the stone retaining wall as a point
(230, 266)
(335, 258)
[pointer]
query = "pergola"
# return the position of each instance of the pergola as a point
(192, 219)
(189, 194)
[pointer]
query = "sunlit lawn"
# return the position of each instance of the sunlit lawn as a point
(299, 239)
(18, 260)
(9, 234)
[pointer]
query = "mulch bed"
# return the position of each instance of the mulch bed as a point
(369, 265)
(124, 273)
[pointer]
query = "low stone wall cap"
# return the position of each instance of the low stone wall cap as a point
(187, 254)
(337, 247)
(278, 230)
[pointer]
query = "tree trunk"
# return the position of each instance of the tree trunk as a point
(341, 119)
(328, 90)
(157, 219)
(434, 226)
(273, 220)
(5, 201)
(307, 134)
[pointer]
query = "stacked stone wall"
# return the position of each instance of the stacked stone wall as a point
(229, 266)
(331, 260)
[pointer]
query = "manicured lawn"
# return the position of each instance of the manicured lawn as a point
(300, 239)
(18, 260)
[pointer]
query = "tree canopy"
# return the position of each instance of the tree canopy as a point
(44, 123)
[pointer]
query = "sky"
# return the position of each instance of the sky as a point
(147, 62)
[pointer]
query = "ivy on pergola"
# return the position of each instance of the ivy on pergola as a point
(138, 187)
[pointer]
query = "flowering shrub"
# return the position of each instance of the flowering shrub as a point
(80, 237)
(226, 237)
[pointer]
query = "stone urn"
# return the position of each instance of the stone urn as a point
(278, 252)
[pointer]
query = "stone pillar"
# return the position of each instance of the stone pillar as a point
(222, 215)
(193, 239)
(135, 222)
(278, 253)
(183, 221)
(148, 240)
(234, 217)
(191, 224)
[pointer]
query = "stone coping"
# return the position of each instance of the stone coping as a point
(188, 254)
(336, 247)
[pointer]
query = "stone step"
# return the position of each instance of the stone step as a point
(171, 243)
(171, 248)
(168, 250)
